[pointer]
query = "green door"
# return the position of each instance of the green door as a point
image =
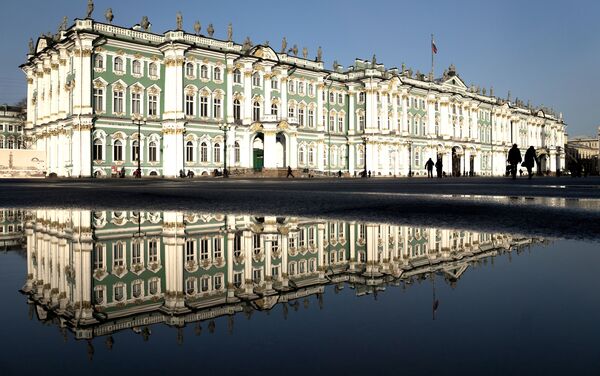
(258, 159)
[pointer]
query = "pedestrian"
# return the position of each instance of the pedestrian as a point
(529, 161)
(438, 167)
(369, 173)
(514, 158)
(122, 174)
(339, 174)
(289, 172)
(429, 166)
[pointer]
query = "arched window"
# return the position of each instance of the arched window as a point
(152, 151)
(256, 111)
(189, 151)
(11, 143)
(237, 76)
(237, 110)
(311, 155)
(203, 152)
(274, 109)
(256, 79)
(204, 71)
(153, 70)
(361, 157)
(137, 67)
(236, 152)
(301, 155)
(217, 74)
(217, 153)
(189, 70)
(97, 151)
(99, 62)
(119, 65)
(118, 150)
(135, 150)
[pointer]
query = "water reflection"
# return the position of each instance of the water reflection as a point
(97, 273)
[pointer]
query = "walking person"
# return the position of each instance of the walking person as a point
(514, 158)
(429, 166)
(289, 172)
(529, 161)
(438, 167)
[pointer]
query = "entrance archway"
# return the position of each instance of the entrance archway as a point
(456, 155)
(542, 164)
(280, 151)
(258, 152)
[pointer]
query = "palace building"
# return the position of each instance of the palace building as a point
(105, 271)
(11, 127)
(103, 97)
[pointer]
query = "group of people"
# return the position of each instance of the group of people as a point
(438, 168)
(514, 158)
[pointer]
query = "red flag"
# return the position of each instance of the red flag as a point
(433, 47)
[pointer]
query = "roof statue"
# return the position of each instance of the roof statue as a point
(179, 20)
(210, 30)
(374, 60)
(295, 50)
(491, 91)
(90, 8)
(283, 45)
(247, 44)
(403, 67)
(229, 32)
(335, 65)
(305, 52)
(483, 91)
(266, 43)
(508, 98)
(63, 24)
(109, 15)
(31, 46)
(145, 24)
(197, 27)
(410, 72)
(319, 54)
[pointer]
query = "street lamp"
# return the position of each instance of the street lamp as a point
(225, 128)
(365, 139)
(409, 158)
(137, 119)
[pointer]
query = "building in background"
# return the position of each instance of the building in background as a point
(103, 97)
(584, 152)
(12, 127)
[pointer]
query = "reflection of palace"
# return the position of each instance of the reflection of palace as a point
(101, 272)
(11, 229)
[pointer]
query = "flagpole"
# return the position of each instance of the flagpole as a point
(431, 48)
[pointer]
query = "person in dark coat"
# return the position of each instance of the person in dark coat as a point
(429, 166)
(438, 167)
(289, 172)
(529, 161)
(514, 158)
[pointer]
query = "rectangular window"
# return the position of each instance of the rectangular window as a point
(118, 258)
(204, 249)
(99, 100)
(136, 253)
(118, 102)
(189, 105)
(99, 258)
(190, 251)
(152, 105)
(217, 107)
(153, 251)
(217, 252)
(136, 99)
(204, 106)
(274, 84)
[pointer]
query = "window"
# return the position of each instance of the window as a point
(311, 90)
(311, 118)
(218, 282)
(331, 123)
(152, 105)
(331, 97)
(153, 286)
(301, 116)
(301, 155)
(256, 243)
(204, 283)
(189, 151)
(136, 253)
(135, 150)
(340, 123)
(136, 289)
(256, 79)
(99, 295)
(152, 151)
(97, 154)
(119, 292)
(118, 102)
(118, 255)
(274, 109)
(190, 286)
(301, 88)
(217, 153)
(153, 70)
(190, 251)
(274, 84)
(311, 155)
(152, 251)
(98, 257)
(98, 100)
(238, 277)
(136, 100)
(236, 152)
(118, 65)
(291, 86)
(256, 111)
(237, 245)
(99, 62)
(217, 74)
(204, 249)
(361, 97)
(340, 98)
(291, 111)
(217, 107)
(217, 251)
(137, 67)
(118, 151)
(189, 105)
(237, 110)
(189, 70)
(203, 152)
(361, 122)
(204, 72)
(237, 76)
(204, 106)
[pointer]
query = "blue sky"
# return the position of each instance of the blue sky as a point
(544, 51)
